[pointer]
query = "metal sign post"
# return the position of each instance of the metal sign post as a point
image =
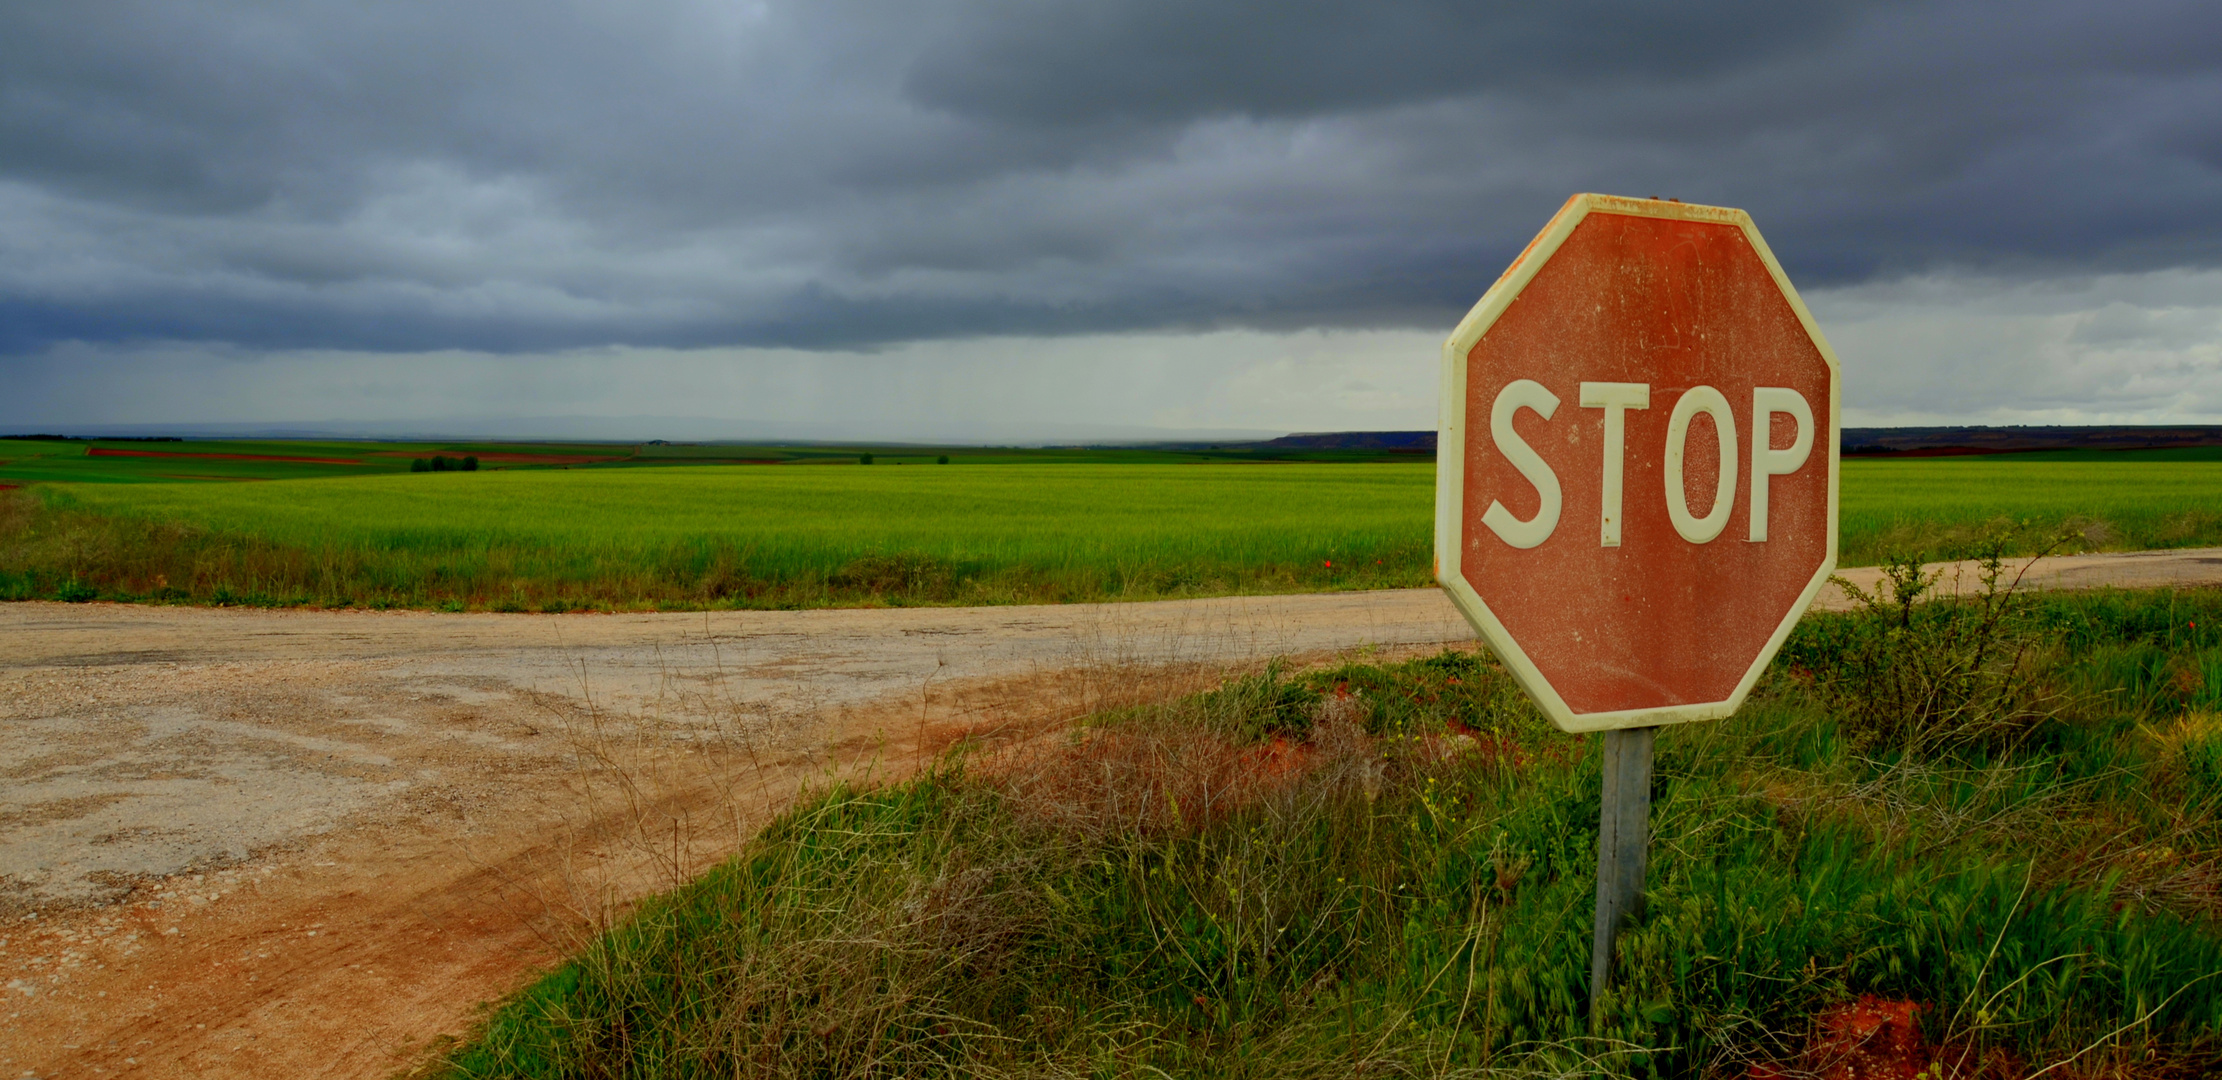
(1623, 837)
(1636, 485)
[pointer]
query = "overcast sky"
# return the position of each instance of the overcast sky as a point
(1039, 219)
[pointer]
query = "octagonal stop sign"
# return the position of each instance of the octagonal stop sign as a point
(1636, 493)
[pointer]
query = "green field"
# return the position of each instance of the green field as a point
(2009, 831)
(2128, 500)
(748, 536)
(566, 526)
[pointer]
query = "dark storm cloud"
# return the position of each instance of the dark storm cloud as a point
(525, 176)
(1169, 60)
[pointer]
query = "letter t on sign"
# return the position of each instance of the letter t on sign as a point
(1616, 398)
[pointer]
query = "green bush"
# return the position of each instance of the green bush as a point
(1916, 676)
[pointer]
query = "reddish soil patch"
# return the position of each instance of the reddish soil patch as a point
(1867, 1039)
(1275, 760)
(102, 451)
(1874, 1038)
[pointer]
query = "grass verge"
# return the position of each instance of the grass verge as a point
(1388, 869)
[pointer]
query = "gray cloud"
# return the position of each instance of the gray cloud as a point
(512, 177)
(1170, 61)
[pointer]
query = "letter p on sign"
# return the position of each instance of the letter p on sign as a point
(1636, 560)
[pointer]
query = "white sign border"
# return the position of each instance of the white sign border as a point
(1450, 462)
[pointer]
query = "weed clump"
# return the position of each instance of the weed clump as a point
(1260, 706)
(897, 577)
(1917, 673)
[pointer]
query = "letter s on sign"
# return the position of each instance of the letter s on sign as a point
(1523, 394)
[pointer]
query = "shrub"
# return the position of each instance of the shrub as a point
(442, 463)
(470, 463)
(864, 459)
(419, 465)
(942, 460)
(1921, 673)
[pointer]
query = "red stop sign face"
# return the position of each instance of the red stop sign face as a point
(1636, 493)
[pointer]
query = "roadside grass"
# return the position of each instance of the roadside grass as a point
(1388, 869)
(631, 535)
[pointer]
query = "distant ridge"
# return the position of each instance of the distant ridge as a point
(1946, 441)
(1418, 442)
(1956, 441)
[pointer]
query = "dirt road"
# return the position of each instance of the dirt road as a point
(297, 843)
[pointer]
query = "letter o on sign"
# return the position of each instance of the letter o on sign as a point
(1711, 402)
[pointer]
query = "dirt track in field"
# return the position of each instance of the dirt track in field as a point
(297, 843)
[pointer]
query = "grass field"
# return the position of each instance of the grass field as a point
(744, 536)
(2130, 500)
(559, 527)
(1389, 870)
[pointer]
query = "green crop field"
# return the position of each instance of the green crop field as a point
(754, 536)
(563, 526)
(2126, 500)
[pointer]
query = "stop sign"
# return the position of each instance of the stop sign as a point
(1636, 492)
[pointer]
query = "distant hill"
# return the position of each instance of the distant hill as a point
(1954, 441)
(1857, 442)
(1419, 442)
